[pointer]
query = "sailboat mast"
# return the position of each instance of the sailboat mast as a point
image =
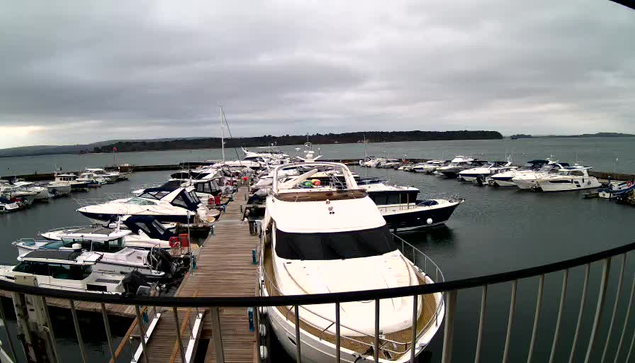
(222, 129)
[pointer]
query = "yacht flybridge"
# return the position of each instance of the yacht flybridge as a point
(330, 237)
(165, 204)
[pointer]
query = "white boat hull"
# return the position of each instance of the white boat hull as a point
(575, 184)
(317, 350)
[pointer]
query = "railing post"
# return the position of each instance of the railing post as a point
(178, 334)
(142, 330)
(628, 315)
(376, 345)
(510, 321)
(104, 315)
(556, 333)
(448, 333)
(585, 287)
(415, 318)
(534, 330)
(615, 305)
(78, 332)
(6, 330)
(217, 335)
(606, 268)
(337, 332)
(481, 325)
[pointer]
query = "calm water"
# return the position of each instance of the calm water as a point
(495, 230)
(601, 153)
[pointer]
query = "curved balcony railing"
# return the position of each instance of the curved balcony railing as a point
(603, 342)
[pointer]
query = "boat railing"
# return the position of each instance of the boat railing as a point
(603, 328)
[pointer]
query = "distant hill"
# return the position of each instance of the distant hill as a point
(598, 134)
(349, 137)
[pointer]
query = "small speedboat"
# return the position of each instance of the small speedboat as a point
(59, 188)
(616, 189)
(7, 205)
(428, 167)
(483, 172)
(404, 212)
(136, 231)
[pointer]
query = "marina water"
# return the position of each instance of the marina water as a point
(495, 230)
(599, 152)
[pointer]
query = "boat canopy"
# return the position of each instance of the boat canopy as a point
(149, 225)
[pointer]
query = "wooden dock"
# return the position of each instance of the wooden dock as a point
(224, 268)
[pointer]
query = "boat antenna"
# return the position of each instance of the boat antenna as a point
(229, 131)
(222, 130)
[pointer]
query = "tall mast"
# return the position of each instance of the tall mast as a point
(222, 129)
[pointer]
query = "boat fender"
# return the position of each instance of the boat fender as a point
(429, 221)
(263, 352)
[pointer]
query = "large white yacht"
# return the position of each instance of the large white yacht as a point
(529, 179)
(504, 178)
(171, 205)
(325, 238)
(568, 179)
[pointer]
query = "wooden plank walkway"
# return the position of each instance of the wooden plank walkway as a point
(224, 268)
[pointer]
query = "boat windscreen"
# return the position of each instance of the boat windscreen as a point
(334, 246)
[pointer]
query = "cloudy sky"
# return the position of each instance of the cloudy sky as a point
(76, 72)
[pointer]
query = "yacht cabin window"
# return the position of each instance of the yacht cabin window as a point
(57, 271)
(334, 246)
(577, 173)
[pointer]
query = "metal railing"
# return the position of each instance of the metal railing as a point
(601, 341)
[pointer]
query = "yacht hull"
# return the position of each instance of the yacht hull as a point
(418, 217)
(316, 350)
(165, 218)
(562, 186)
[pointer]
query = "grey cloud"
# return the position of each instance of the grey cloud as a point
(151, 69)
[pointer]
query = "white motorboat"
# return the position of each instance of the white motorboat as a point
(13, 192)
(70, 270)
(71, 179)
(107, 176)
(483, 172)
(404, 212)
(58, 188)
(331, 238)
(456, 165)
(504, 178)
(136, 231)
(116, 257)
(7, 205)
(568, 179)
(166, 205)
(529, 179)
(616, 189)
(42, 195)
(91, 179)
(428, 167)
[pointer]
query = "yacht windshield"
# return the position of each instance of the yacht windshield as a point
(334, 246)
(140, 201)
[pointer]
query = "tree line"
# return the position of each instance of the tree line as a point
(330, 138)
